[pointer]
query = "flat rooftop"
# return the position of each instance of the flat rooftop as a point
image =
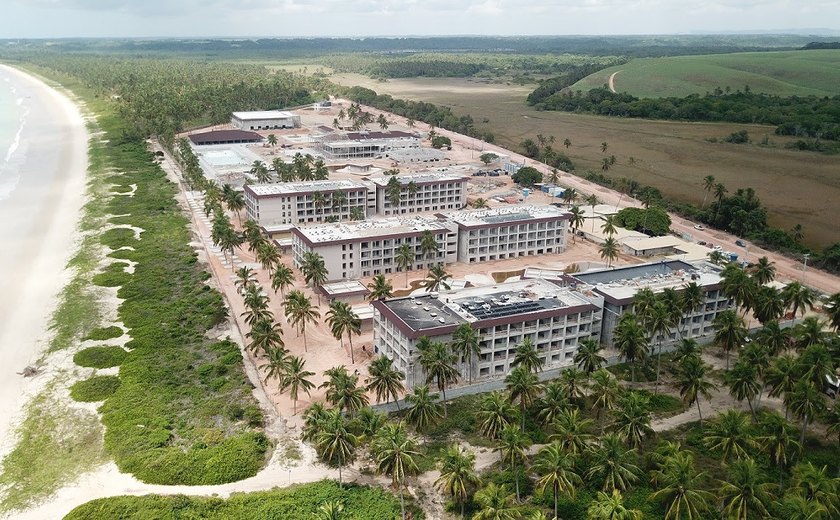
(340, 231)
(504, 214)
(419, 178)
(288, 188)
(263, 114)
(344, 288)
(621, 284)
(478, 304)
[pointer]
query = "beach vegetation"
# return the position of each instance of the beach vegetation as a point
(104, 333)
(96, 388)
(100, 357)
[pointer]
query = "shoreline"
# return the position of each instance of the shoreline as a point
(39, 270)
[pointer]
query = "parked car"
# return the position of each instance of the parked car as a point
(701, 242)
(698, 226)
(740, 243)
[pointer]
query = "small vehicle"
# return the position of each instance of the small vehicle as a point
(701, 242)
(717, 248)
(699, 226)
(740, 243)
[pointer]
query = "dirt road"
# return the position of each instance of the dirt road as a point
(611, 82)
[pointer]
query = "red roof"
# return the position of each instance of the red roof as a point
(225, 137)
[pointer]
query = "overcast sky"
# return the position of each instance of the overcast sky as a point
(281, 18)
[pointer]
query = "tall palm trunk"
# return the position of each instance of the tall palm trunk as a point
(697, 402)
(802, 433)
(350, 340)
(402, 503)
(556, 492)
(658, 364)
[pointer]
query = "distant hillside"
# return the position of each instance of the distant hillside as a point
(788, 73)
(822, 45)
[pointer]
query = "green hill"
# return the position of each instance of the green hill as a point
(786, 73)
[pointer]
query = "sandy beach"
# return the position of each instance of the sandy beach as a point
(43, 196)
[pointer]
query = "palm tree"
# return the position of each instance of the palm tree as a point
(380, 288)
(343, 391)
(496, 503)
(277, 364)
(604, 392)
(632, 418)
(428, 244)
(395, 454)
(764, 271)
(314, 269)
(571, 431)
(338, 199)
(319, 201)
(729, 436)
(798, 297)
(782, 377)
(299, 311)
(511, 447)
(812, 483)
(708, 186)
(467, 345)
(659, 321)
(567, 143)
(730, 331)
(556, 468)
(743, 381)
(745, 493)
(693, 382)
(522, 385)
(573, 382)
(687, 347)
(282, 278)
(588, 357)
(527, 357)
(832, 307)
(404, 258)
(438, 364)
(774, 338)
(343, 320)
(245, 276)
(680, 489)
(272, 140)
(335, 442)
(295, 379)
(604, 147)
(331, 510)
(631, 341)
(457, 475)
(569, 196)
(739, 286)
(423, 409)
(313, 421)
(551, 403)
(437, 278)
(720, 192)
(252, 234)
(643, 302)
(693, 298)
(609, 250)
(479, 203)
(495, 413)
(268, 256)
(611, 507)
(384, 380)
(806, 402)
(778, 437)
(808, 333)
(264, 335)
(575, 221)
(768, 305)
(608, 227)
(613, 465)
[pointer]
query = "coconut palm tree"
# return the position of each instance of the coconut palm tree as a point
(768, 305)
(276, 365)
(479, 203)
(343, 320)
(551, 403)
(708, 186)
(404, 258)
(687, 347)
(573, 382)
(680, 489)
(604, 392)
(632, 418)
(608, 227)
(643, 303)
(611, 507)
(745, 493)
(832, 308)
(798, 297)
(512, 446)
(609, 250)
(384, 380)
(437, 278)
(631, 341)
(264, 335)
(575, 221)
(252, 234)
(457, 475)
(438, 364)
(743, 381)
(729, 436)
(694, 383)
(774, 338)
(588, 357)
(300, 311)
(782, 375)
(466, 344)
(423, 408)
(335, 442)
(256, 305)
(296, 379)
(495, 413)
(380, 288)
(556, 469)
(527, 357)
(571, 431)
(395, 453)
(612, 464)
(692, 300)
(428, 244)
(659, 321)
(313, 420)
(778, 438)
(245, 276)
(314, 269)
(764, 271)
(809, 332)
(739, 286)
(330, 510)
(496, 503)
(343, 391)
(806, 402)
(523, 386)
(268, 256)
(282, 278)
(730, 331)
(813, 483)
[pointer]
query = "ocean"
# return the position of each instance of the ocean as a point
(13, 113)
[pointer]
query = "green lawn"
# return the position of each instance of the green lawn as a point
(786, 73)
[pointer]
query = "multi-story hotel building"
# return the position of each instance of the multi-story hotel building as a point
(555, 318)
(350, 145)
(298, 203)
(367, 248)
(422, 192)
(509, 232)
(618, 287)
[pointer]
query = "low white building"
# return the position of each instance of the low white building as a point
(265, 120)
(422, 192)
(300, 203)
(555, 318)
(349, 145)
(509, 232)
(367, 248)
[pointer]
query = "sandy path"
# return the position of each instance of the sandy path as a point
(611, 81)
(36, 272)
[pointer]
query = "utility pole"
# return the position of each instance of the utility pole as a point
(804, 266)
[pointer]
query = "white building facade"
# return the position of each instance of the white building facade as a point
(422, 192)
(297, 203)
(351, 145)
(265, 120)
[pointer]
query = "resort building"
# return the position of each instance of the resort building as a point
(366, 248)
(422, 192)
(225, 137)
(340, 145)
(618, 287)
(264, 120)
(307, 202)
(509, 232)
(556, 319)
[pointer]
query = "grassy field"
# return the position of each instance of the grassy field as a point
(797, 187)
(791, 73)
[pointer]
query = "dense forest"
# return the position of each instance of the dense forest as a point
(808, 116)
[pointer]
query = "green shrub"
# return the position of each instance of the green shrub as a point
(100, 357)
(103, 333)
(97, 388)
(118, 237)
